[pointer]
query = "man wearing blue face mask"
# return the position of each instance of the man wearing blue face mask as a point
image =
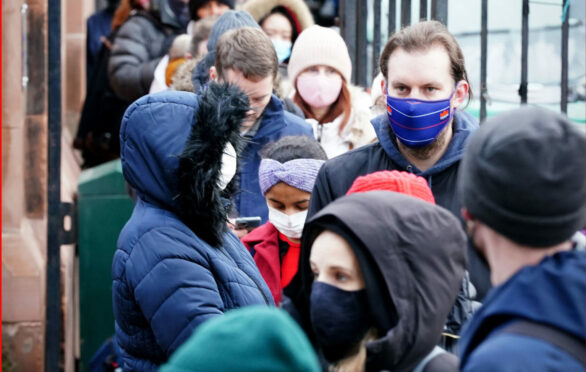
(423, 131)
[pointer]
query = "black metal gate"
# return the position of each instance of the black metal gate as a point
(353, 15)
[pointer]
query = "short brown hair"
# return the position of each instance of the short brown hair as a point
(248, 50)
(421, 36)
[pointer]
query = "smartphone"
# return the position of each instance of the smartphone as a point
(247, 223)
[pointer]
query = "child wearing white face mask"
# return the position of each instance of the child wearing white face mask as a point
(320, 70)
(286, 175)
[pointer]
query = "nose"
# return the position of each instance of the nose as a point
(250, 115)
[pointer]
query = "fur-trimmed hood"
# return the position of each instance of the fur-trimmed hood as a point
(171, 147)
(261, 8)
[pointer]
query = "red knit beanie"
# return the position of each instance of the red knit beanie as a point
(403, 182)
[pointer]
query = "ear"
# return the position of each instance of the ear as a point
(460, 94)
(213, 73)
(383, 86)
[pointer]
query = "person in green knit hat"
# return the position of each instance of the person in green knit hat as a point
(254, 338)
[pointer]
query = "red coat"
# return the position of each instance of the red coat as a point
(263, 243)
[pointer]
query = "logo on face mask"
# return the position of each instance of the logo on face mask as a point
(290, 226)
(417, 123)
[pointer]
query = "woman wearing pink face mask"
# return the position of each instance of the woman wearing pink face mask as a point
(320, 70)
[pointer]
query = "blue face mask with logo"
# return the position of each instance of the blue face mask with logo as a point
(283, 49)
(416, 122)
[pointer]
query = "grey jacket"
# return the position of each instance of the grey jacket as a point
(138, 47)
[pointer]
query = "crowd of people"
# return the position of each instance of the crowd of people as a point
(286, 220)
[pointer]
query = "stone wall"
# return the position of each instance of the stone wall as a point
(24, 178)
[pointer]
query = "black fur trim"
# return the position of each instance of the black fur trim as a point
(222, 109)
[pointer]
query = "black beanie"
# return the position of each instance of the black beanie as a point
(194, 6)
(523, 175)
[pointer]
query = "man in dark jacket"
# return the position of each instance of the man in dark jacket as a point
(140, 44)
(522, 185)
(423, 132)
(246, 57)
(176, 265)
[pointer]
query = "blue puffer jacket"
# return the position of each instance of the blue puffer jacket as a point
(275, 123)
(552, 293)
(167, 277)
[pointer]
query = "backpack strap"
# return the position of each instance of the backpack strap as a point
(555, 336)
(438, 360)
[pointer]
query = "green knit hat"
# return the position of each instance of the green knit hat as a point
(254, 338)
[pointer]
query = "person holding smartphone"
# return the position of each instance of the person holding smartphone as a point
(286, 174)
(176, 264)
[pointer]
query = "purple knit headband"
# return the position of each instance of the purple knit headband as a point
(299, 173)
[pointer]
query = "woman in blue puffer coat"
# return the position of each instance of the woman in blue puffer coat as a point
(177, 264)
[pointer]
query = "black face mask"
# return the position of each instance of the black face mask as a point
(339, 319)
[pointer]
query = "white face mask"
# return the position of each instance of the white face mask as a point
(229, 163)
(290, 226)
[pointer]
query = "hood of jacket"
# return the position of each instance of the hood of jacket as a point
(552, 292)
(171, 147)
(419, 251)
(261, 8)
(463, 125)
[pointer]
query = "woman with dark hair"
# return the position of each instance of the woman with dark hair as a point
(286, 176)
(282, 21)
(320, 70)
(379, 273)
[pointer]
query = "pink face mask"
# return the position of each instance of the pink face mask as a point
(319, 91)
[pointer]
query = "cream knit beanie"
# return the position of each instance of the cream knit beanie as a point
(319, 46)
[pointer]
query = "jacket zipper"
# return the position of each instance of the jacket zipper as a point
(250, 277)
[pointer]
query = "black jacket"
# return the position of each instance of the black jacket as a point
(410, 283)
(338, 174)
(140, 44)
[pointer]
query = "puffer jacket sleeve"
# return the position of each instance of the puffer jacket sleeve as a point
(174, 288)
(131, 68)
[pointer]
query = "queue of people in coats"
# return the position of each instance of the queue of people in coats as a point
(410, 241)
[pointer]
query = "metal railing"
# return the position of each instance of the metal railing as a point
(353, 27)
(53, 311)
